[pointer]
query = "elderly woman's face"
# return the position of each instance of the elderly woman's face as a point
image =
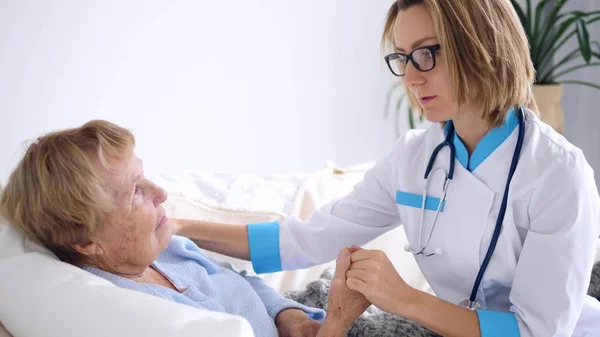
(136, 231)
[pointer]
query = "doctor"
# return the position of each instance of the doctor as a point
(501, 212)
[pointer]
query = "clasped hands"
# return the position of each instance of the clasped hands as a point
(362, 277)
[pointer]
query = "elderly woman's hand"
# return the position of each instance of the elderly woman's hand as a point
(344, 305)
(295, 323)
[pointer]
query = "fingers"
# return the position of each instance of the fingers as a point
(353, 249)
(364, 254)
(342, 263)
(355, 284)
(360, 255)
(358, 274)
(364, 265)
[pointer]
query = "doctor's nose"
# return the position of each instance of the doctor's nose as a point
(413, 77)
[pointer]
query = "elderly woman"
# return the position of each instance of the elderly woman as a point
(82, 193)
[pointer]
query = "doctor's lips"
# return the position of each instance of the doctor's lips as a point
(426, 99)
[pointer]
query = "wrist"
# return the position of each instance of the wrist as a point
(408, 302)
(289, 313)
(334, 325)
(175, 226)
(183, 227)
(189, 228)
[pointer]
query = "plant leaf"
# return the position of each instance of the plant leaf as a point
(583, 36)
(539, 60)
(529, 17)
(411, 119)
(594, 19)
(521, 16)
(549, 29)
(554, 42)
(596, 44)
(547, 77)
(538, 17)
(554, 46)
(398, 107)
(388, 99)
(568, 70)
(583, 83)
(397, 124)
(586, 14)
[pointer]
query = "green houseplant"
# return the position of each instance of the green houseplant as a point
(548, 28)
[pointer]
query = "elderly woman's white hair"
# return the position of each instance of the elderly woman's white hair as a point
(54, 195)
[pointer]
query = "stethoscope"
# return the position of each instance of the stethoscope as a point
(471, 302)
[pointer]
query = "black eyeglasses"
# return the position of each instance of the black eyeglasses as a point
(423, 58)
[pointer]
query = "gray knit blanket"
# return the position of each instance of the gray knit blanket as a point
(376, 323)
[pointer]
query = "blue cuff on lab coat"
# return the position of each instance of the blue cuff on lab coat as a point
(263, 239)
(497, 324)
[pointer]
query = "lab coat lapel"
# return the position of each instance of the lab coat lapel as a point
(458, 233)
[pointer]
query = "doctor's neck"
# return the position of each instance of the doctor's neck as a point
(470, 128)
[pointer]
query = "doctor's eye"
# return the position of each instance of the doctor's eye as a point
(424, 58)
(424, 54)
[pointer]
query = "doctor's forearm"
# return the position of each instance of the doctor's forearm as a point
(226, 239)
(441, 316)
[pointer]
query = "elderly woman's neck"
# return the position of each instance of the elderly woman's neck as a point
(147, 274)
(126, 271)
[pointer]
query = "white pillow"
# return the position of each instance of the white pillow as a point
(42, 296)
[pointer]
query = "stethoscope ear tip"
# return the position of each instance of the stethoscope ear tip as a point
(407, 248)
(438, 251)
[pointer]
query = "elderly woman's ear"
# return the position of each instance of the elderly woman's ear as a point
(88, 249)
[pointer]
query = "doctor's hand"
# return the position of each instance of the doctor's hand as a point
(373, 275)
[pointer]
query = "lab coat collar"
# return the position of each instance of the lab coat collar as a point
(486, 146)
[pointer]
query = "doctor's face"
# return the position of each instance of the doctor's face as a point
(413, 30)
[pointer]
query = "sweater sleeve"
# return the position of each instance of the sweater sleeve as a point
(273, 301)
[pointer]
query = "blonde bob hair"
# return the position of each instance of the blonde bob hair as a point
(485, 47)
(55, 196)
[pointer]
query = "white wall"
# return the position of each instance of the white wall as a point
(267, 86)
(258, 86)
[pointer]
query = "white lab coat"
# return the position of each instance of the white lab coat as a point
(540, 270)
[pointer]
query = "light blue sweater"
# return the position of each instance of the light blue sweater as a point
(212, 286)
